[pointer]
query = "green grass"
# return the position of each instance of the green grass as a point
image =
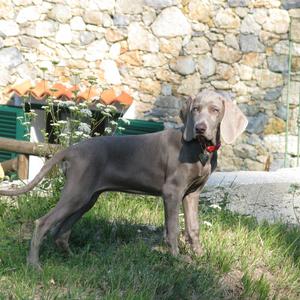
(119, 254)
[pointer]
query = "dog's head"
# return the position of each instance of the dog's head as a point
(206, 113)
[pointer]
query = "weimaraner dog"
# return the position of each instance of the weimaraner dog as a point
(174, 164)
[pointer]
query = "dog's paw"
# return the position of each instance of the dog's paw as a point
(198, 250)
(34, 265)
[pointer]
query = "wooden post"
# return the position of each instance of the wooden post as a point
(10, 165)
(39, 149)
(23, 166)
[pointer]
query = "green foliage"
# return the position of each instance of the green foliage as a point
(81, 121)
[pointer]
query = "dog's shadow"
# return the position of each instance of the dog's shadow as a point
(99, 231)
(136, 256)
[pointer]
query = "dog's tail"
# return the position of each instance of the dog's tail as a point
(43, 172)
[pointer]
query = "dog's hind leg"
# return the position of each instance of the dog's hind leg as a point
(73, 198)
(63, 231)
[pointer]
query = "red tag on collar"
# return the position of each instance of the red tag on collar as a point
(211, 149)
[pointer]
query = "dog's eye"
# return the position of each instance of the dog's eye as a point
(195, 108)
(215, 109)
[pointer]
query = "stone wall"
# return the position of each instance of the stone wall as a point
(163, 50)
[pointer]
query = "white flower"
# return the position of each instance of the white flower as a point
(113, 123)
(62, 135)
(73, 108)
(84, 127)
(105, 113)
(100, 105)
(216, 206)
(107, 130)
(86, 111)
(62, 122)
(207, 224)
(69, 103)
(82, 105)
(111, 108)
(78, 133)
(126, 121)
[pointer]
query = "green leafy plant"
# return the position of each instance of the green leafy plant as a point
(71, 121)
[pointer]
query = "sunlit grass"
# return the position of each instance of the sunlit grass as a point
(119, 254)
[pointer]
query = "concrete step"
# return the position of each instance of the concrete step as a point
(268, 196)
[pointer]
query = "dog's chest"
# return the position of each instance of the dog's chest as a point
(203, 158)
(203, 171)
(198, 176)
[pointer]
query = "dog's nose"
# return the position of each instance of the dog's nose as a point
(201, 128)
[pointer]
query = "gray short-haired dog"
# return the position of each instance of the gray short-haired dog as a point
(174, 164)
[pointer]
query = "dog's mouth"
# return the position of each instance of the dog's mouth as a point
(203, 139)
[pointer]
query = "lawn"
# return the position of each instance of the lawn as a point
(118, 253)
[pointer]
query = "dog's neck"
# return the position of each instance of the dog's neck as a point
(209, 150)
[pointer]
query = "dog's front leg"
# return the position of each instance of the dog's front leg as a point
(190, 207)
(171, 205)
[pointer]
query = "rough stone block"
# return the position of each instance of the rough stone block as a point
(10, 57)
(278, 63)
(238, 3)
(251, 43)
(290, 4)
(257, 124)
(171, 22)
(184, 65)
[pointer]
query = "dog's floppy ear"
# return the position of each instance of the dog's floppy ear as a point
(187, 119)
(234, 122)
